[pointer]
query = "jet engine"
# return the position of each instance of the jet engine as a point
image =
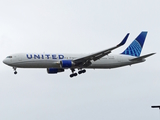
(66, 63)
(54, 70)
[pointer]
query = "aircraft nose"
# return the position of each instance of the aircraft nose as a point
(4, 61)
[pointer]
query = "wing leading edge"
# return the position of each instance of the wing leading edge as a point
(86, 60)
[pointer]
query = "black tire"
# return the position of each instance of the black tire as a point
(75, 74)
(83, 71)
(71, 75)
(79, 72)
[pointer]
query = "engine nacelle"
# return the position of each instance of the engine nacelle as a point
(54, 70)
(66, 63)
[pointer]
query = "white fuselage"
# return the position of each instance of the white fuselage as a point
(23, 60)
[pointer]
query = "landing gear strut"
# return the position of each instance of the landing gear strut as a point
(15, 72)
(73, 74)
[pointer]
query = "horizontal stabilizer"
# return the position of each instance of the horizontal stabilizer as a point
(142, 57)
(155, 107)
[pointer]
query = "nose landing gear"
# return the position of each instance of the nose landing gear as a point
(15, 72)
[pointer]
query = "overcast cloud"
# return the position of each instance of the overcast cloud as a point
(84, 26)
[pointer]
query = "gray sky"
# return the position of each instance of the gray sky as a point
(83, 26)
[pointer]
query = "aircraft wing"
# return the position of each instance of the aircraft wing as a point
(86, 60)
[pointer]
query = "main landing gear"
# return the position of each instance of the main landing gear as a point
(75, 74)
(15, 72)
(81, 71)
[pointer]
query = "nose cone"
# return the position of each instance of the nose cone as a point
(6, 61)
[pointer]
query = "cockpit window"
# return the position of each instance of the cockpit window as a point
(9, 56)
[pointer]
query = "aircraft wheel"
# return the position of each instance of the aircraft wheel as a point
(15, 72)
(83, 71)
(75, 74)
(79, 72)
(71, 75)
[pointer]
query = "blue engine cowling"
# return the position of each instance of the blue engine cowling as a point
(66, 63)
(54, 70)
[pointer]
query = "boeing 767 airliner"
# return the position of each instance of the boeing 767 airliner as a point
(55, 63)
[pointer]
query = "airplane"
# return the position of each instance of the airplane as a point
(55, 63)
